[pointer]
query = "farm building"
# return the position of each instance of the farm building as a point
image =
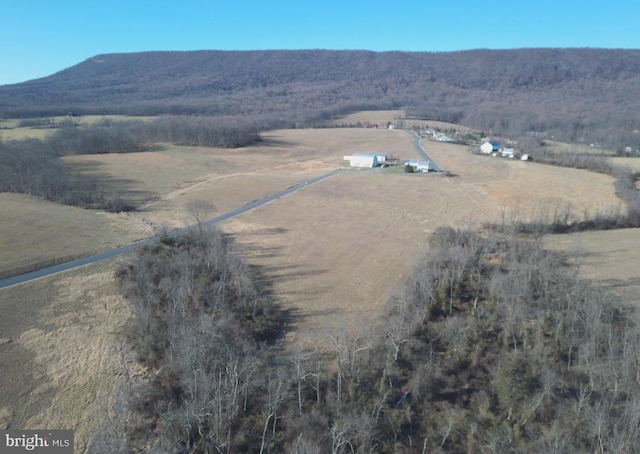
(508, 153)
(418, 166)
(490, 147)
(442, 137)
(382, 157)
(366, 159)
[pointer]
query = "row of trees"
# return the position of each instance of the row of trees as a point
(33, 166)
(491, 345)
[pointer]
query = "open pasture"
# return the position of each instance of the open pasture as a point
(609, 258)
(359, 225)
(334, 252)
(577, 148)
(524, 190)
(397, 118)
(60, 340)
(35, 232)
(11, 129)
(631, 163)
(331, 253)
(174, 176)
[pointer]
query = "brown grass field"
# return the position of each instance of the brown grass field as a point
(10, 129)
(332, 252)
(609, 258)
(630, 163)
(35, 232)
(396, 117)
(59, 351)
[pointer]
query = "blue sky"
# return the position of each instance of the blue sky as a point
(42, 37)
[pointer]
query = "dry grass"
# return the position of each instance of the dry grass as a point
(59, 358)
(577, 148)
(335, 251)
(35, 231)
(397, 117)
(10, 129)
(630, 163)
(24, 133)
(332, 252)
(228, 178)
(610, 258)
(371, 116)
(527, 191)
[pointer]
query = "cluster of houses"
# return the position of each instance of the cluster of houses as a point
(378, 159)
(438, 136)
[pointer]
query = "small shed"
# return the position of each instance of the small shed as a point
(508, 153)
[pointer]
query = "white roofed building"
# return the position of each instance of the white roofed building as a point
(366, 159)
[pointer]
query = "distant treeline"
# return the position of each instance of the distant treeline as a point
(491, 345)
(33, 166)
(572, 94)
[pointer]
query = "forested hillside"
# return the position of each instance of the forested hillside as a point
(577, 94)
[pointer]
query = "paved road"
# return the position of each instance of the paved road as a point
(243, 209)
(419, 149)
(124, 249)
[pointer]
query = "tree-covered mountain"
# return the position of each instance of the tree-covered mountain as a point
(576, 93)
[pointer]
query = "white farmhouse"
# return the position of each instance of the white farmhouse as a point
(418, 166)
(423, 166)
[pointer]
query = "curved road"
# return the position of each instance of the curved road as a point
(243, 209)
(420, 150)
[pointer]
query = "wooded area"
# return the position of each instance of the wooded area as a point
(572, 94)
(491, 345)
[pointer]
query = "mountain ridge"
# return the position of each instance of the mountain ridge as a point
(513, 89)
